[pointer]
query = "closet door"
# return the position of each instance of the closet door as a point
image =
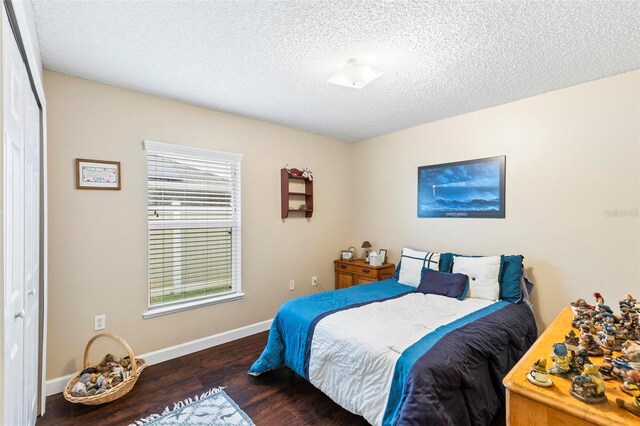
(32, 250)
(14, 248)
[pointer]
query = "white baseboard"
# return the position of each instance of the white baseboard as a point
(57, 385)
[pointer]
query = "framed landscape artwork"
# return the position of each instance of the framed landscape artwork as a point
(473, 188)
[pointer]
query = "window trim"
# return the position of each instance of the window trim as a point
(192, 304)
(237, 294)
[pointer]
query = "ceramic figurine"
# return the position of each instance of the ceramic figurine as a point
(580, 303)
(592, 327)
(599, 298)
(630, 348)
(608, 338)
(571, 341)
(538, 374)
(578, 317)
(620, 368)
(622, 335)
(631, 383)
(625, 313)
(634, 325)
(581, 358)
(560, 358)
(606, 369)
(306, 173)
(597, 319)
(609, 318)
(588, 342)
(628, 301)
(589, 386)
(630, 407)
(604, 309)
(633, 332)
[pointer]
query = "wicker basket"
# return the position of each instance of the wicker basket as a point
(115, 392)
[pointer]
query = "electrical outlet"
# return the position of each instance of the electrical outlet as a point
(314, 281)
(99, 322)
(292, 285)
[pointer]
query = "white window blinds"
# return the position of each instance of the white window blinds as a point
(194, 224)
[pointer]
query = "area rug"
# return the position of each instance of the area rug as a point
(213, 407)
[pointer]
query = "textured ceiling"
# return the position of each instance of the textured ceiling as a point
(270, 59)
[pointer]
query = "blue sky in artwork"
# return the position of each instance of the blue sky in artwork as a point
(462, 187)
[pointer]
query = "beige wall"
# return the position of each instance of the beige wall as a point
(97, 239)
(572, 155)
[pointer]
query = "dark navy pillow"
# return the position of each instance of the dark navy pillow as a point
(444, 284)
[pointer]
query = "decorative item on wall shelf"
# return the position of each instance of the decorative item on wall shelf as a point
(296, 186)
(97, 174)
(304, 173)
(473, 188)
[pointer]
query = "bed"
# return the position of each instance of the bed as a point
(400, 357)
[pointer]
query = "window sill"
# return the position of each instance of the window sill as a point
(179, 307)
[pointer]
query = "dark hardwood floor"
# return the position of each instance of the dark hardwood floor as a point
(274, 398)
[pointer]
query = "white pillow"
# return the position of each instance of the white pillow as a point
(412, 262)
(483, 275)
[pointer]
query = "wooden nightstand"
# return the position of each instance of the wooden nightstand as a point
(531, 405)
(352, 272)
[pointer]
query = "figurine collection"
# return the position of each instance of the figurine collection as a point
(111, 371)
(600, 333)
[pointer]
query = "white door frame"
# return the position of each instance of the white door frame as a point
(20, 14)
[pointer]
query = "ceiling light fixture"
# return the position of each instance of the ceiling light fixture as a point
(354, 75)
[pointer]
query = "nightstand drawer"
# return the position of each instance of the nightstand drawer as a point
(356, 269)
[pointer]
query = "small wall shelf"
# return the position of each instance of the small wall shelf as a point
(298, 197)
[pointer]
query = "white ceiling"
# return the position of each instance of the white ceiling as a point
(270, 59)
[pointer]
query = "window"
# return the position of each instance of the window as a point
(193, 212)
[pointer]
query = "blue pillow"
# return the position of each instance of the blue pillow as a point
(511, 269)
(444, 284)
(446, 262)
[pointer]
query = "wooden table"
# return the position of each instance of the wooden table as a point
(528, 404)
(353, 272)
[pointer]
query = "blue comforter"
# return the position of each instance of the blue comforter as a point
(451, 376)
